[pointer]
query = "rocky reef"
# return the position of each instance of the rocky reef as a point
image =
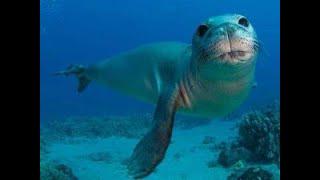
(251, 173)
(258, 138)
(92, 127)
(232, 154)
(55, 171)
(256, 146)
(134, 126)
(259, 132)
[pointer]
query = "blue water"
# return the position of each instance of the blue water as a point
(84, 32)
(87, 31)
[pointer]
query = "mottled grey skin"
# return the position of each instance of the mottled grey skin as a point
(209, 78)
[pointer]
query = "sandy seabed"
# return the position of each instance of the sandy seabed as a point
(186, 158)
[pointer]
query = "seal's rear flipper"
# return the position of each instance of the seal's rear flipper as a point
(79, 72)
(151, 149)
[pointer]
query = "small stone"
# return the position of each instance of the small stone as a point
(100, 156)
(238, 165)
(177, 156)
(208, 140)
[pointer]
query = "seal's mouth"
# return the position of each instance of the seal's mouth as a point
(230, 51)
(235, 55)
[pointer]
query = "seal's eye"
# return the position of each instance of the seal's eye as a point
(244, 22)
(202, 29)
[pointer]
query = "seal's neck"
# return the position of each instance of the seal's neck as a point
(213, 72)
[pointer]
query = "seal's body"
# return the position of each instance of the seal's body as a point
(143, 72)
(210, 77)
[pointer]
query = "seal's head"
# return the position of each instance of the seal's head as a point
(225, 41)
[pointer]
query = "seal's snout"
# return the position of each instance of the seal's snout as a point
(230, 42)
(227, 38)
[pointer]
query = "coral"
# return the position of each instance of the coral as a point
(258, 138)
(259, 132)
(53, 171)
(251, 174)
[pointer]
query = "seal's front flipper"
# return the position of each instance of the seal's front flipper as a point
(79, 72)
(151, 149)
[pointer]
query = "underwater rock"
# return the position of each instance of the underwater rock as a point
(258, 138)
(218, 146)
(208, 140)
(232, 154)
(53, 171)
(252, 173)
(100, 156)
(259, 132)
(238, 165)
(177, 156)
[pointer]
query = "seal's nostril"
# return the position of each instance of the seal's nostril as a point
(244, 22)
(202, 29)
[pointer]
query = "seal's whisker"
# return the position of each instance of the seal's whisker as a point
(262, 47)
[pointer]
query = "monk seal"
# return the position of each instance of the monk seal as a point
(209, 78)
